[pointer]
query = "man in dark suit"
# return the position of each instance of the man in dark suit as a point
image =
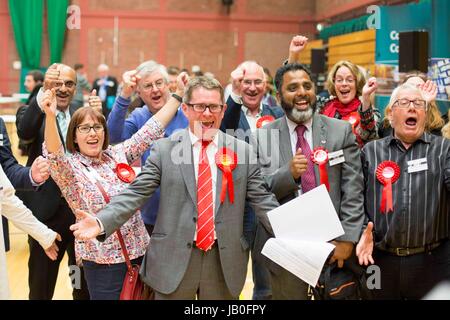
(47, 204)
(106, 87)
(285, 148)
(21, 177)
(197, 247)
(245, 109)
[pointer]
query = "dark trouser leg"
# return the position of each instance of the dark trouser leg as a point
(80, 292)
(149, 228)
(43, 272)
(262, 289)
(105, 280)
(286, 286)
(412, 277)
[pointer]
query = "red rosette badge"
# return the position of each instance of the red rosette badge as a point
(354, 119)
(226, 160)
(125, 172)
(320, 157)
(387, 173)
(263, 121)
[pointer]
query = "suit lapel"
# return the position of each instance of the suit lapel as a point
(187, 167)
(285, 148)
(319, 133)
(243, 123)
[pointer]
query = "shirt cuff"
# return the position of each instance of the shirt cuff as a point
(102, 228)
(39, 98)
(237, 99)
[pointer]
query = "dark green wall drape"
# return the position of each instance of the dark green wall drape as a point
(56, 18)
(26, 19)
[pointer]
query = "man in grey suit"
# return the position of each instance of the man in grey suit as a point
(284, 149)
(187, 258)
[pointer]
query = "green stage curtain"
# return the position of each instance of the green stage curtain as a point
(26, 19)
(56, 18)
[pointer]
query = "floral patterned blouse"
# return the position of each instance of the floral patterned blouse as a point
(70, 174)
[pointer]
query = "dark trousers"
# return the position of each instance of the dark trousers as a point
(149, 228)
(6, 233)
(43, 272)
(105, 280)
(262, 289)
(411, 277)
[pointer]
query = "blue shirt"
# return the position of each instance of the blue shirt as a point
(121, 129)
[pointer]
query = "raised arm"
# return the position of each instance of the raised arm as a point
(116, 119)
(298, 43)
(234, 103)
(52, 139)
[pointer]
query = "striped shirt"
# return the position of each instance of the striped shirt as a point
(420, 199)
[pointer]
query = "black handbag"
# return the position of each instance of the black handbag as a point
(346, 283)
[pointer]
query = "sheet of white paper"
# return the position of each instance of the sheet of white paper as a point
(309, 217)
(303, 227)
(305, 259)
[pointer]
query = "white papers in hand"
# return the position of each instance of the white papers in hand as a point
(303, 227)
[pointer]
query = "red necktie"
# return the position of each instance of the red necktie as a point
(205, 221)
(308, 178)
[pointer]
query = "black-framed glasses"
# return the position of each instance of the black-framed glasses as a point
(405, 103)
(85, 128)
(200, 107)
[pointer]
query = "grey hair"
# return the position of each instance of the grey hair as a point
(250, 63)
(202, 82)
(148, 67)
(103, 67)
(401, 88)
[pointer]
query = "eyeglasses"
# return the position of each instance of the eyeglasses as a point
(213, 108)
(257, 82)
(155, 86)
(68, 84)
(341, 80)
(405, 103)
(84, 129)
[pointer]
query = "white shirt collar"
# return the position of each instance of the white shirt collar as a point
(292, 125)
(195, 139)
(247, 111)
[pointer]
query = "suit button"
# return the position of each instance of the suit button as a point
(189, 245)
(194, 219)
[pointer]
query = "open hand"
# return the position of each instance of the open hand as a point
(364, 248)
(429, 90)
(87, 227)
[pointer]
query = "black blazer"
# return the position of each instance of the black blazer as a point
(44, 202)
(16, 173)
(111, 90)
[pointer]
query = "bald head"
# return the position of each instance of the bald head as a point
(253, 85)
